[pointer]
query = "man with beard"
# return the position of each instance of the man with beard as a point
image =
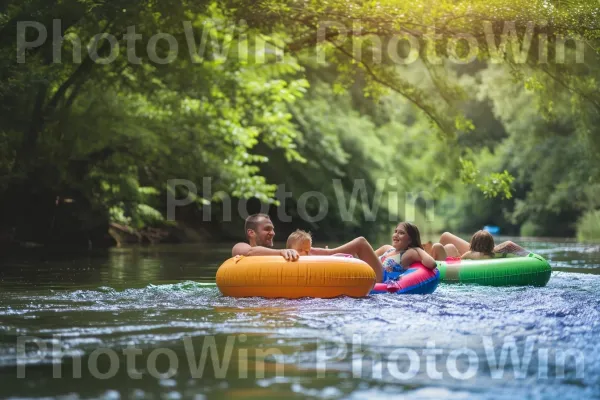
(260, 233)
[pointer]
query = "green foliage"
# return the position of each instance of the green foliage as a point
(114, 134)
(588, 226)
(497, 184)
(521, 136)
(492, 185)
(468, 172)
(551, 158)
(530, 228)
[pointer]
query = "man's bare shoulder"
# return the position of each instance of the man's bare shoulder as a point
(240, 249)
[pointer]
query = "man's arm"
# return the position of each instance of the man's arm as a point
(240, 249)
(244, 249)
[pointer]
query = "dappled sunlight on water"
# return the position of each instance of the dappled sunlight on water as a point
(316, 348)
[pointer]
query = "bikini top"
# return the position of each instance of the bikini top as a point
(391, 263)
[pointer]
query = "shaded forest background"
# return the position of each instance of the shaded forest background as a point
(295, 94)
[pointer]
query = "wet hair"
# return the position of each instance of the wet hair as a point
(482, 242)
(413, 233)
(253, 221)
(297, 237)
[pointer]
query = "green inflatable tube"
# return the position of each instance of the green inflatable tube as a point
(532, 270)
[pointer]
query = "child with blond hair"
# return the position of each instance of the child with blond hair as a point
(301, 241)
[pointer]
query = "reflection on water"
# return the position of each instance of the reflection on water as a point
(159, 303)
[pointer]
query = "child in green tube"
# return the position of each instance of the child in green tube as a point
(482, 246)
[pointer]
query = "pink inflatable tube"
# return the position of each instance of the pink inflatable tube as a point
(417, 279)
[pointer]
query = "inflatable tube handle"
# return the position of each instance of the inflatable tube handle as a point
(393, 287)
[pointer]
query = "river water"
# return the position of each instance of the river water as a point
(143, 323)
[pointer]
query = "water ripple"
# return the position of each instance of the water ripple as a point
(563, 316)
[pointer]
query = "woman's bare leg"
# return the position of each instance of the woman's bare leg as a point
(363, 250)
(462, 246)
(438, 252)
(451, 250)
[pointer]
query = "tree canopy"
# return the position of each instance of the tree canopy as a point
(492, 107)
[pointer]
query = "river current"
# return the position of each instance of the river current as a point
(149, 323)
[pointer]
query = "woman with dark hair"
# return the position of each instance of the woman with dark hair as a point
(406, 249)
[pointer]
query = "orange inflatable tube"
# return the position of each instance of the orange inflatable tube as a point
(310, 276)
